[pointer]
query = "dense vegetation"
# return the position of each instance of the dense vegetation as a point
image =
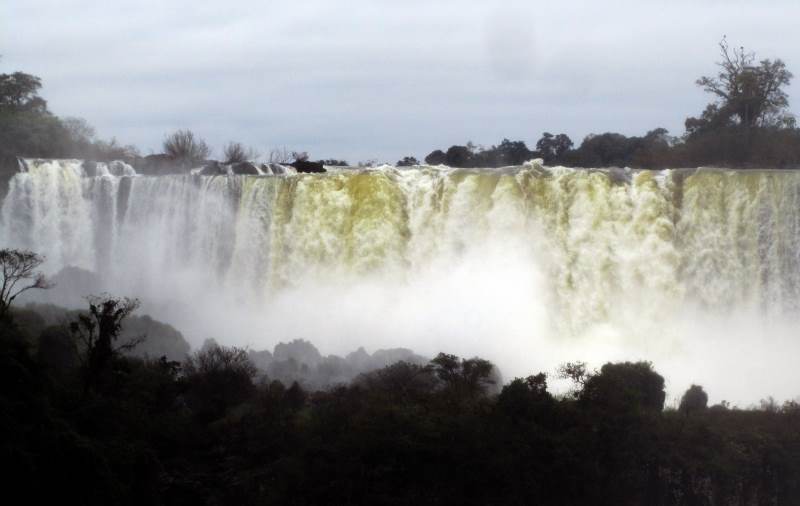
(85, 422)
(747, 125)
(29, 129)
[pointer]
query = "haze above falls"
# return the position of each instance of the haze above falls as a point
(697, 271)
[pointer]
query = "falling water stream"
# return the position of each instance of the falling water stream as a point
(695, 270)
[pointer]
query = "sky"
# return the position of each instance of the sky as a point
(378, 80)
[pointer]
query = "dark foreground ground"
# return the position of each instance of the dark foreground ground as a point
(84, 424)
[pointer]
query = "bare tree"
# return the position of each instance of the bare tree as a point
(184, 146)
(280, 155)
(113, 150)
(19, 270)
(217, 378)
(235, 152)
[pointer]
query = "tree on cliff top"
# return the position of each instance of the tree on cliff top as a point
(182, 145)
(552, 147)
(407, 161)
(19, 92)
(748, 94)
(236, 152)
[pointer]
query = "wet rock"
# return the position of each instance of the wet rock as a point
(212, 168)
(244, 168)
(279, 169)
(156, 165)
(90, 168)
(619, 176)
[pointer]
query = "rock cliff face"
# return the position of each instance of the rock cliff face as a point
(158, 165)
(244, 169)
(164, 165)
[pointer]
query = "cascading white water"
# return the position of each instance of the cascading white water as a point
(528, 266)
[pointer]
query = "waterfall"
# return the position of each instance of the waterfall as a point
(491, 254)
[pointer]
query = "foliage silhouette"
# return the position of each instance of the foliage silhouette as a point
(19, 271)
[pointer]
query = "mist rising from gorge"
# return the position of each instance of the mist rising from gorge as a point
(528, 267)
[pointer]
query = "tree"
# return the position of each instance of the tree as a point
(218, 377)
(26, 126)
(653, 150)
(437, 157)
(28, 129)
(575, 372)
(749, 94)
(182, 145)
(407, 161)
(526, 398)
(19, 271)
(235, 152)
(694, 400)
(507, 153)
(467, 377)
(552, 147)
(56, 349)
(625, 387)
(605, 150)
(458, 156)
(332, 162)
(19, 92)
(295, 397)
(97, 330)
(401, 381)
(80, 131)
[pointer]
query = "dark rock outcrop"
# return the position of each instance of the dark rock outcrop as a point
(277, 169)
(160, 339)
(156, 165)
(244, 168)
(306, 166)
(261, 359)
(300, 350)
(300, 361)
(70, 287)
(213, 168)
(90, 168)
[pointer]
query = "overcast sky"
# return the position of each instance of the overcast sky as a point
(361, 80)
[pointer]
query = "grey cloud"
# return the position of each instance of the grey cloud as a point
(381, 79)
